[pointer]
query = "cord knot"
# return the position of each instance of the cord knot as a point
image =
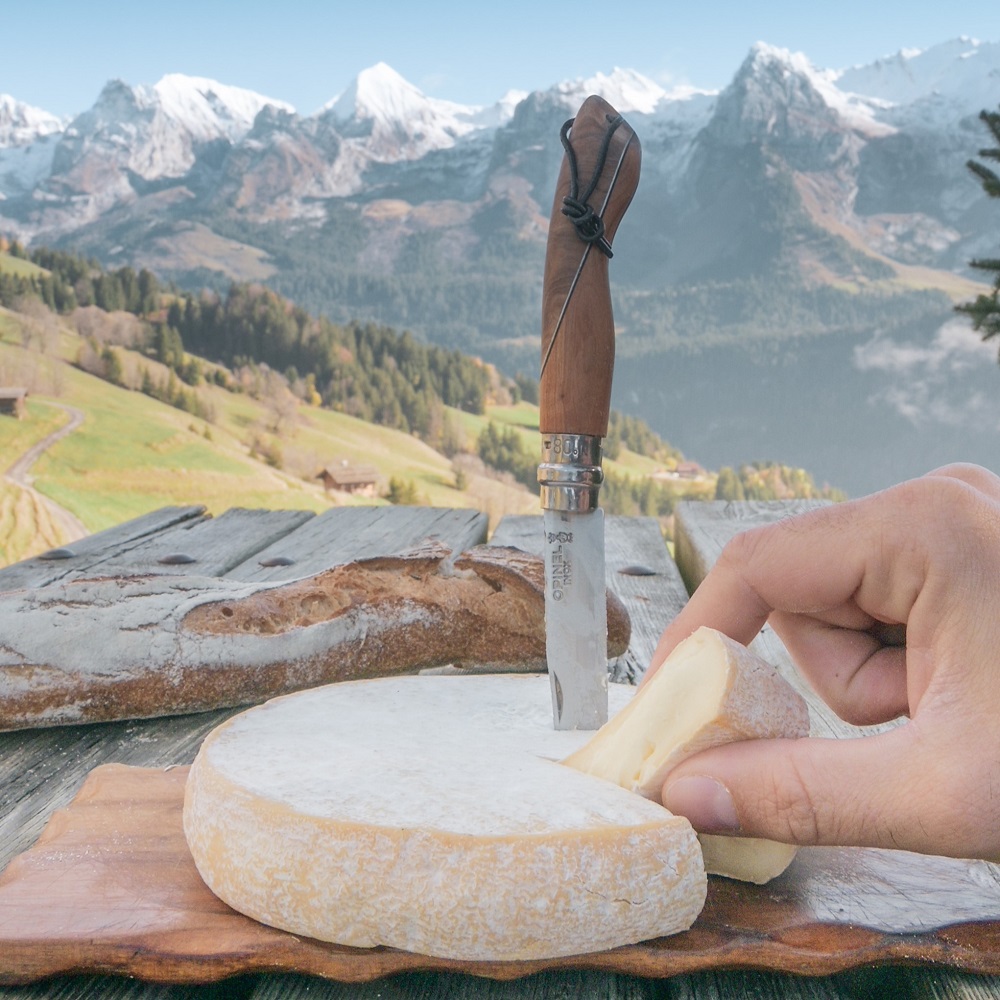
(589, 225)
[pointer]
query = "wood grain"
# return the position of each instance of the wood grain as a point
(703, 528)
(344, 534)
(578, 328)
(89, 553)
(111, 887)
(206, 546)
(41, 770)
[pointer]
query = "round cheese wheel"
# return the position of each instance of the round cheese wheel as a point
(431, 814)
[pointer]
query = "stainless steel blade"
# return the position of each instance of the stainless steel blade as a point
(576, 618)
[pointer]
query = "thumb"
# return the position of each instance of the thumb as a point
(861, 792)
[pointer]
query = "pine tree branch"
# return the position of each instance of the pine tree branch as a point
(985, 310)
(992, 121)
(989, 180)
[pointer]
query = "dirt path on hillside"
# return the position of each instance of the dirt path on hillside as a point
(17, 474)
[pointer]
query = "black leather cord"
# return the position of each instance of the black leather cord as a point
(589, 225)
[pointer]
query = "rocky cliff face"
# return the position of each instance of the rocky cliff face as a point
(795, 202)
(876, 149)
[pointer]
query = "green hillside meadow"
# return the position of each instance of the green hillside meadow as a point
(134, 454)
(193, 432)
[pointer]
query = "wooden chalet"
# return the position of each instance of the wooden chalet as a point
(683, 470)
(361, 480)
(13, 401)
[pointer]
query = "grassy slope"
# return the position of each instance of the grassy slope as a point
(25, 525)
(134, 454)
(23, 268)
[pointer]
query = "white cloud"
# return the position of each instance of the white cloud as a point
(954, 380)
(955, 345)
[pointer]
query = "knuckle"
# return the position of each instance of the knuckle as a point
(973, 475)
(743, 550)
(942, 493)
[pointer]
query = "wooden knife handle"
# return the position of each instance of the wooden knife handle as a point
(578, 329)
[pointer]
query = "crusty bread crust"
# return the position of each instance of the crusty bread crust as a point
(95, 650)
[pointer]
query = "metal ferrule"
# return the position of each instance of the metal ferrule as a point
(570, 472)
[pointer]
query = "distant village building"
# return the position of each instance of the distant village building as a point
(13, 401)
(689, 470)
(684, 470)
(361, 480)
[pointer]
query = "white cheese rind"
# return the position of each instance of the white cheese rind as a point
(429, 814)
(711, 690)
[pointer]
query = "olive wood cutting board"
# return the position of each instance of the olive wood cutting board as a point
(110, 887)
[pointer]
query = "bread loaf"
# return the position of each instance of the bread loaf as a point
(429, 814)
(709, 691)
(94, 650)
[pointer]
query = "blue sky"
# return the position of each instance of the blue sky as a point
(57, 55)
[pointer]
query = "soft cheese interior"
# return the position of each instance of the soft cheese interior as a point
(710, 690)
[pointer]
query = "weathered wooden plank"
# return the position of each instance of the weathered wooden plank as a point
(343, 534)
(639, 571)
(119, 988)
(947, 984)
(42, 769)
(87, 552)
(207, 547)
(441, 986)
(745, 985)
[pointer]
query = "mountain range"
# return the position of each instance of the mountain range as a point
(784, 281)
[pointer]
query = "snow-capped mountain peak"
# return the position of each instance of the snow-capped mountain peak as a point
(856, 110)
(499, 113)
(207, 108)
(626, 90)
(395, 120)
(961, 73)
(28, 140)
(155, 131)
(21, 124)
(378, 93)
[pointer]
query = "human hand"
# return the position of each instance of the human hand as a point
(845, 587)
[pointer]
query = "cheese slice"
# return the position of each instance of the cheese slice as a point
(431, 814)
(709, 691)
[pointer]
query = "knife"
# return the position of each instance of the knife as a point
(599, 175)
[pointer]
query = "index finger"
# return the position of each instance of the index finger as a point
(808, 564)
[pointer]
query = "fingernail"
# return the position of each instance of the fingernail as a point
(705, 802)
